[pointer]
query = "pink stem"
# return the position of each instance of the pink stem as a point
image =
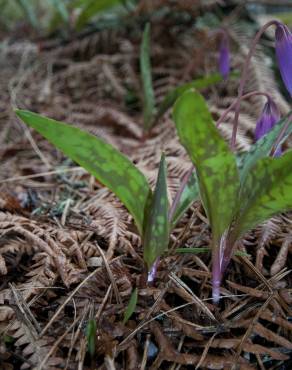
(244, 77)
(245, 96)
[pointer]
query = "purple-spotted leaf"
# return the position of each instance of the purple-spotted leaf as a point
(216, 170)
(156, 234)
(267, 190)
(99, 158)
(215, 163)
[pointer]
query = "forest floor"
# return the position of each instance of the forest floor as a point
(69, 251)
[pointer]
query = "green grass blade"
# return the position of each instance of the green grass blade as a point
(92, 8)
(61, 9)
(131, 306)
(156, 234)
(266, 191)
(262, 147)
(29, 11)
(215, 163)
(174, 94)
(103, 161)
(91, 336)
(146, 75)
(187, 198)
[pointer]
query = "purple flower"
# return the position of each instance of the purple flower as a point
(224, 56)
(284, 54)
(269, 117)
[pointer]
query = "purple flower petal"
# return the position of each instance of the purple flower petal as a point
(224, 57)
(284, 54)
(269, 117)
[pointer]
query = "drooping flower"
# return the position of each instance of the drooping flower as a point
(224, 56)
(269, 117)
(283, 47)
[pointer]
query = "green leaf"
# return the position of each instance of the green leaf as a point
(266, 191)
(174, 94)
(146, 75)
(131, 306)
(215, 163)
(156, 234)
(93, 7)
(188, 196)
(91, 336)
(61, 9)
(29, 12)
(262, 147)
(99, 158)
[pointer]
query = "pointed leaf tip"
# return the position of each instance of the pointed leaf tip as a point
(102, 160)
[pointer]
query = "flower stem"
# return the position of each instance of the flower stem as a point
(244, 77)
(245, 96)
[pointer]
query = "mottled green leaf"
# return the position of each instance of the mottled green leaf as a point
(215, 163)
(103, 161)
(188, 196)
(172, 96)
(156, 234)
(91, 336)
(262, 147)
(266, 191)
(131, 306)
(146, 75)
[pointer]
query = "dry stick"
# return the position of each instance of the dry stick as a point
(59, 340)
(76, 335)
(145, 353)
(66, 301)
(110, 275)
(205, 352)
(41, 174)
(165, 313)
(249, 330)
(244, 78)
(103, 303)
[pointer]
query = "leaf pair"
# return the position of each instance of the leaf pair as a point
(234, 201)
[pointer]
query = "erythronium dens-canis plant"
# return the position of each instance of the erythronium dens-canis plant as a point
(153, 216)
(237, 193)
